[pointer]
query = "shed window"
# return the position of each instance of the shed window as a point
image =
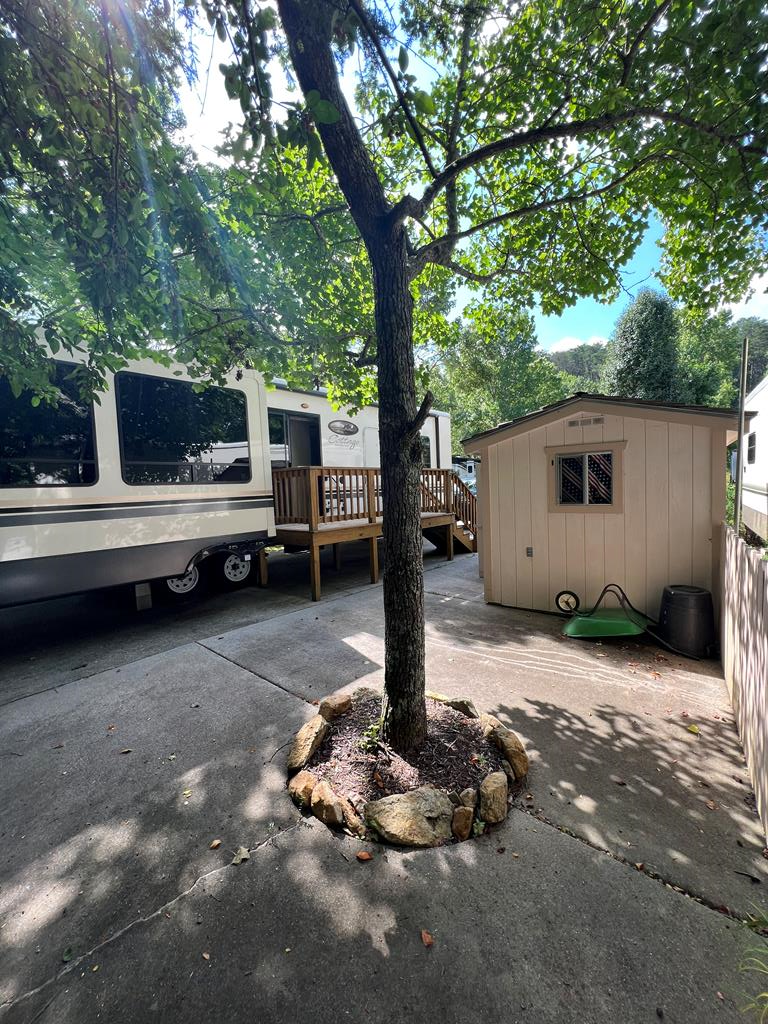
(585, 478)
(426, 451)
(751, 447)
(172, 434)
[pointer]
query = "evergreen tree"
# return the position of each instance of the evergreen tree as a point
(642, 361)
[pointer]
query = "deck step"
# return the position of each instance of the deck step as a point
(463, 540)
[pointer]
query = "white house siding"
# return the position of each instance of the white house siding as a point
(663, 535)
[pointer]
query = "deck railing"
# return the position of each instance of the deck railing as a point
(317, 495)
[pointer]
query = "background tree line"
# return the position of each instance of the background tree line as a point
(494, 371)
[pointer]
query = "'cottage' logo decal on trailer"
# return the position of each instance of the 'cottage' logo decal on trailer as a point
(345, 427)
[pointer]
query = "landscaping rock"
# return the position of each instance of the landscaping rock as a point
(454, 797)
(421, 817)
(488, 723)
(508, 770)
(511, 746)
(461, 823)
(493, 798)
(335, 705)
(307, 740)
(300, 788)
(461, 704)
(352, 819)
(468, 797)
(326, 806)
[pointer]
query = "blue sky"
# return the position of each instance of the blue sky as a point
(590, 320)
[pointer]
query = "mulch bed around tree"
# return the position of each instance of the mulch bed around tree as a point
(455, 756)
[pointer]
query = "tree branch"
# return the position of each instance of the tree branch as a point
(409, 206)
(419, 420)
(628, 58)
(432, 252)
(390, 71)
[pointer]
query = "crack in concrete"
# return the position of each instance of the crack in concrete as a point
(70, 967)
(704, 901)
(258, 675)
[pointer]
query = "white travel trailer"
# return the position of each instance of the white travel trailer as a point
(145, 484)
(305, 430)
(754, 501)
(157, 481)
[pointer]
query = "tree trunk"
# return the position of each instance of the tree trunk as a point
(308, 29)
(405, 722)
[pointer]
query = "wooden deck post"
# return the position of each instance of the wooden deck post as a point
(337, 557)
(449, 542)
(263, 570)
(373, 548)
(314, 569)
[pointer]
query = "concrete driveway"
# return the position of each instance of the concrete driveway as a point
(117, 777)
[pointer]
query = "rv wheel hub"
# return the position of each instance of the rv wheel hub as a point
(236, 568)
(184, 584)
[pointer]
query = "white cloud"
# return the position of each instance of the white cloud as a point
(757, 305)
(570, 342)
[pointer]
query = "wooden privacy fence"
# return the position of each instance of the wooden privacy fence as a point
(745, 656)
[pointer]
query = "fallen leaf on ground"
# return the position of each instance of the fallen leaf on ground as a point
(426, 938)
(640, 865)
(364, 855)
(215, 844)
(95, 968)
(206, 956)
(67, 955)
(111, 728)
(501, 849)
(241, 854)
(655, 674)
(378, 780)
(620, 782)
(515, 854)
(720, 996)
(187, 793)
(711, 805)
(127, 750)
(694, 729)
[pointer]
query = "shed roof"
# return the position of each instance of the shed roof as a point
(588, 402)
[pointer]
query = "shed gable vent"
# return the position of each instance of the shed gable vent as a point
(586, 421)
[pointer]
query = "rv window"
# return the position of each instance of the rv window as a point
(172, 434)
(585, 479)
(426, 452)
(47, 445)
(751, 447)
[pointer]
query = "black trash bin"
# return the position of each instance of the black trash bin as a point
(687, 621)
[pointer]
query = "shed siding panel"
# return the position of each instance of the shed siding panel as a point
(492, 564)
(613, 428)
(508, 485)
(541, 596)
(523, 521)
(701, 531)
(680, 503)
(575, 570)
(657, 510)
(555, 529)
(594, 556)
(635, 572)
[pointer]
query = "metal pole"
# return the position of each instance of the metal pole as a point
(740, 448)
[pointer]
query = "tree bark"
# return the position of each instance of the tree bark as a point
(405, 722)
(307, 26)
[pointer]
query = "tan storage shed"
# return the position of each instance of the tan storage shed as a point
(595, 490)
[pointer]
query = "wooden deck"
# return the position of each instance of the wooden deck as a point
(317, 506)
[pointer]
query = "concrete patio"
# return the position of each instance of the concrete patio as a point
(117, 777)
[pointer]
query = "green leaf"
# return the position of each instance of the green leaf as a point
(324, 112)
(424, 102)
(402, 59)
